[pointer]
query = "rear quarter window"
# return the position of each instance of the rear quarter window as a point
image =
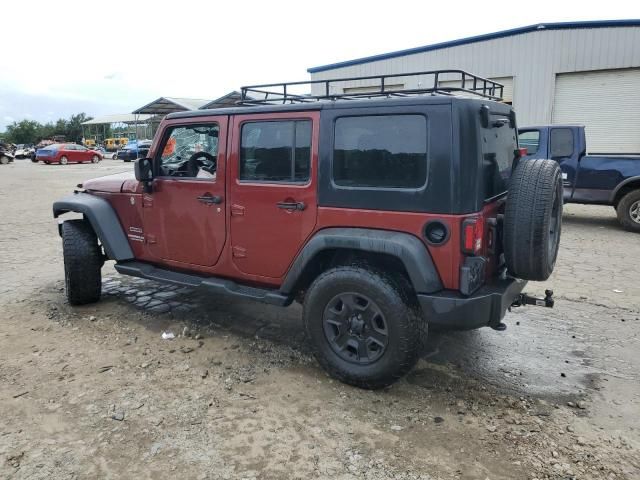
(380, 151)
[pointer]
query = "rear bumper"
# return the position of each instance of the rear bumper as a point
(486, 307)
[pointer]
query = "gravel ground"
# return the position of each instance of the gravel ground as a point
(95, 392)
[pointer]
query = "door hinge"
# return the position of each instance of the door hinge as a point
(239, 252)
(237, 210)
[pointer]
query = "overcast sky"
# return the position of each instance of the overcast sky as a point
(65, 56)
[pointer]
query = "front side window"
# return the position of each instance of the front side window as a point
(190, 151)
(383, 151)
(276, 151)
(529, 140)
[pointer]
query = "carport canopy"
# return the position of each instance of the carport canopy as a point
(128, 118)
(229, 100)
(165, 105)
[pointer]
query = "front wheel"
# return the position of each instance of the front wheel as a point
(82, 262)
(628, 211)
(95, 159)
(4, 160)
(363, 327)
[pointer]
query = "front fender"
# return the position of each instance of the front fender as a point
(407, 248)
(103, 219)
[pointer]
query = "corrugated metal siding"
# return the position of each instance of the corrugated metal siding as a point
(507, 94)
(606, 103)
(532, 59)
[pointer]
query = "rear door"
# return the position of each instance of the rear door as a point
(272, 189)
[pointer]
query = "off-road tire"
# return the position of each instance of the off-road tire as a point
(533, 219)
(406, 329)
(630, 201)
(83, 260)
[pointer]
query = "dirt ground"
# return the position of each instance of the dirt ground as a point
(95, 392)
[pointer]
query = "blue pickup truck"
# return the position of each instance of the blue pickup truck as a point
(590, 179)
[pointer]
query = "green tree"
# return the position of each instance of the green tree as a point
(74, 126)
(25, 131)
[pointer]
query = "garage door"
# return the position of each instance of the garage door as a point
(507, 94)
(607, 103)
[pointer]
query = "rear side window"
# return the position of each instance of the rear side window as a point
(561, 142)
(383, 151)
(276, 151)
(530, 140)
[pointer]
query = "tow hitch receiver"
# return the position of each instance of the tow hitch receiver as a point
(524, 299)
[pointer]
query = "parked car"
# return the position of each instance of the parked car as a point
(22, 151)
(382, 216)
(64, 153)
(105, 154)
(6, 153)
(589, 179)
(134, 149)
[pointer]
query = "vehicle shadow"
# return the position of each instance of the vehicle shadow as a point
(509, 361)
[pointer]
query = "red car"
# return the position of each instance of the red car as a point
(64, 153)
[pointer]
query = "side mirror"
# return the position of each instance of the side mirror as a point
(143, 169)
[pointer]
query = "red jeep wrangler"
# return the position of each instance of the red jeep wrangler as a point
(381, 212)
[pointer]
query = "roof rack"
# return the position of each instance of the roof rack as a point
(456, 81)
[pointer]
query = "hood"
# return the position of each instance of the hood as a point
(117, 183)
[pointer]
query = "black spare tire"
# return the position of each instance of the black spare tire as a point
(533, 219)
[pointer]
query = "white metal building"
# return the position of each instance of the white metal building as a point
(577, 72)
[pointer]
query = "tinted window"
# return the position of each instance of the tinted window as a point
(384, 151)
(498, 153)
(529, 140)
(276, 151)
(561, 143)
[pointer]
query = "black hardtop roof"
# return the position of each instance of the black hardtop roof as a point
(337, 104)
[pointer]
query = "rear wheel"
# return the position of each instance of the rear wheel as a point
(82, 262)
(363, 327)
(64, 160)
(533, 219)
(628, 211)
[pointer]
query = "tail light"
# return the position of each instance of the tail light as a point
(472, 233)
(522, 152)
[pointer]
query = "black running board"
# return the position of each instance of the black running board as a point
(213, 284)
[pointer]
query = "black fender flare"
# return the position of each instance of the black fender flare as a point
(406, 247)
(622, 185)
(103, 219)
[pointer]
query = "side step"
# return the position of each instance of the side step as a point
(213, 284)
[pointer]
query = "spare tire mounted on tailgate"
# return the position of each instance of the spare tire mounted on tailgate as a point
(533, 219)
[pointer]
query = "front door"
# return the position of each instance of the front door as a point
(272, 189)
(184, 215)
